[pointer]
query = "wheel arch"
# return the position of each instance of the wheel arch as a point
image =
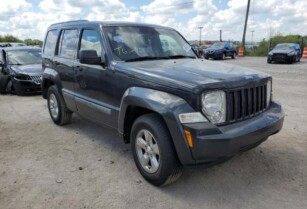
(50, 77)
(138, 101)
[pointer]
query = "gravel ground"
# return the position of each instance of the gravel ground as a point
(83, 165)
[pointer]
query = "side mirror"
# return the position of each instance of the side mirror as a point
(89, 57)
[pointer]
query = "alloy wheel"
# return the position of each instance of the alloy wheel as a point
(147, 151)
(53, 106)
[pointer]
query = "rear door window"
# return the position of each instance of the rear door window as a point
(68, 46)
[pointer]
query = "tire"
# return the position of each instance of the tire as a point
(57, 108)
(4, 79)
(234, 55)
(156, 148)
(223, 56)
(269, 60)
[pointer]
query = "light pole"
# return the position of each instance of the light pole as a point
(220, 35)
(200, 28)
(252, 38)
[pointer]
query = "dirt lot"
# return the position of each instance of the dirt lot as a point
(83, 165)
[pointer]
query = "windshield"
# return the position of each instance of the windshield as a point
(146, 43)
(284, 47)
(24, 57)
(217, 45)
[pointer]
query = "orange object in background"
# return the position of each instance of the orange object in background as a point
(305, 53)
(241, 52)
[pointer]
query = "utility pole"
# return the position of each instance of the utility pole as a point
(245, 25)
(200, 28)
(220, 35)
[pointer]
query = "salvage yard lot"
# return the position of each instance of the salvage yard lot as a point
(83, 165)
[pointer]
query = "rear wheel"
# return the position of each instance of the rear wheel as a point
(153, 150)
(57, 108)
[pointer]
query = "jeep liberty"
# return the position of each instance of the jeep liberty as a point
(146, 82)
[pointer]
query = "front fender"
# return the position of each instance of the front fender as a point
(168, 106)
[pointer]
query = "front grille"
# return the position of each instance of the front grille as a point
(279, 56)
(246, 102)
(36, 78)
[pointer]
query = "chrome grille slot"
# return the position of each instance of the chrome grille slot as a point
(246, 102)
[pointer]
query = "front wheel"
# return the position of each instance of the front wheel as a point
(57, 108)
(223, 56)
(269, 60)
(4, 79)
(153, 150)
(234, 55)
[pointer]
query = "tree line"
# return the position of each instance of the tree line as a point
(13, 39)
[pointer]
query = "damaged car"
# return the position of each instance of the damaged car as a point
(20, 70)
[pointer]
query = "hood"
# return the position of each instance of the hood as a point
(214, 49)
(285, 51)
(191, 74)
(27, 69)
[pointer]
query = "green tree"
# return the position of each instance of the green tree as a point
(9, 38)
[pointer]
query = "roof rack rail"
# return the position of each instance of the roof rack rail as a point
(72, 21)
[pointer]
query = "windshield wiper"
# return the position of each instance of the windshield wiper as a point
(15, 64)
(145, 58)
(180, 56)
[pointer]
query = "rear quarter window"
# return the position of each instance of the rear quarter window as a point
(50, 43)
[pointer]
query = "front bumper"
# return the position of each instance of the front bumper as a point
(26, 87)
(282, 58)
(214, 55)
(214, 143)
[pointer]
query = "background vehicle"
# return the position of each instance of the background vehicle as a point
(220, 50)
(12, 44)
(198, 50)
(21, 70)
(173, 108)
(285, 52)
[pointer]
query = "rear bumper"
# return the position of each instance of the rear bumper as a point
(213, 143)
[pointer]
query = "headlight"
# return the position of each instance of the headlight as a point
(214, 106)
(291, 53)
(268, 93)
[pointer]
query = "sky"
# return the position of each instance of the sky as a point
(30, 18)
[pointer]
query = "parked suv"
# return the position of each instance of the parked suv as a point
(20, 70)
(221, 50)
(174, 108)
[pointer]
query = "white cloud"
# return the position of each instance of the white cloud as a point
(9, 9)
(26, 20)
